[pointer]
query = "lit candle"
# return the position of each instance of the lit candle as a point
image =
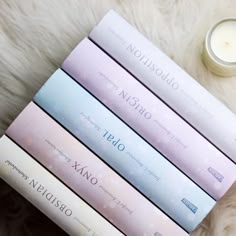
(219, 51)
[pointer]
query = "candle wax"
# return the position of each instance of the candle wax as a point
(223, 41)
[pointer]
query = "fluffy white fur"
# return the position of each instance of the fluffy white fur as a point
(35, 38)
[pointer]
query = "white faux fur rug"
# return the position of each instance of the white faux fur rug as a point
(35, 38)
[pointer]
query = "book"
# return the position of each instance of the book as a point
(167, 80)
(88, 176)
(126, 152)
(49, 195)
(151, 118)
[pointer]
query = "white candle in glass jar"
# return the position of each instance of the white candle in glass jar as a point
(219, 52)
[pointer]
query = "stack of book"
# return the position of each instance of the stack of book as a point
(121, 141)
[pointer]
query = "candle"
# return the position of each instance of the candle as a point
(219, 52)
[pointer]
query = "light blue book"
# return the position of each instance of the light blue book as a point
(125, 151)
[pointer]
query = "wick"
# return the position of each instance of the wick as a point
(227, 44)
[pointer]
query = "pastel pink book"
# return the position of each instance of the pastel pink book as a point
(88, 176)
(151, 118)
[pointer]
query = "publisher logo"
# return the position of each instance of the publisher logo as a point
(158, 234)
(189, 205)
(216, 174)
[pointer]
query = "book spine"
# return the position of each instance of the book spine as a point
(114, 142)
(167, 80)
(151, 118)
(88, 176)
(48, 194)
